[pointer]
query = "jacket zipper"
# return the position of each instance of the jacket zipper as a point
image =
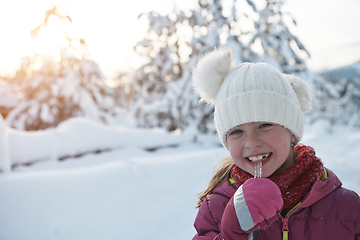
(285, 220)
(285, 228)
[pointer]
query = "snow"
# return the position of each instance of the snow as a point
(77, 136)
(143, 184)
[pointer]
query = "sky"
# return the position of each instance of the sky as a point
(327, 28)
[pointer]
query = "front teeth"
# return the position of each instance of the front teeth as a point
(258, 158)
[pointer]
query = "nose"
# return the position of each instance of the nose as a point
(252, 141)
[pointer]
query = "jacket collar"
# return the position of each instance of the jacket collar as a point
(226, 188)
(321, 189)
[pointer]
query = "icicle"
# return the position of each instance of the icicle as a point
(258, 169)
(251, 236)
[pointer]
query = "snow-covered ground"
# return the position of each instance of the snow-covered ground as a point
(142, 185)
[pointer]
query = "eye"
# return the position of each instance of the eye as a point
(264, 125)
(235, 131)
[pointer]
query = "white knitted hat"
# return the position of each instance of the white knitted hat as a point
(250, 92)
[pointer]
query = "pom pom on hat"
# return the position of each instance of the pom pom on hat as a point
(210, 73)
(302, 91)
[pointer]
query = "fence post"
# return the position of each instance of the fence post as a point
(5, 164)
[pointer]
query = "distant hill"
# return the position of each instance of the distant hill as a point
(346, 72)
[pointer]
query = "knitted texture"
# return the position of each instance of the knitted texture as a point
(257, 92)
(294, 182)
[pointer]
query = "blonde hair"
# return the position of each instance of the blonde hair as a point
(223, 171)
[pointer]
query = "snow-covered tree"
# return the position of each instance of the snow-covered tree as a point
(58, 87)
(277, 42)
(162, 92)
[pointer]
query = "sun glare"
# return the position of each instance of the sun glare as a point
(49, 39)
(17, 19)
(110, 31)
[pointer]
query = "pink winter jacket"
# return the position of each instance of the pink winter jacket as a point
(327, 212)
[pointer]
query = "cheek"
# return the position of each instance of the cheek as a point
(280, 139)
(280, 142)
(235, 148)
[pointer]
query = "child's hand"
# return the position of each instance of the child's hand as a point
(255, 205)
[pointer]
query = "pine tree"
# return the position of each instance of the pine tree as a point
(279, 45)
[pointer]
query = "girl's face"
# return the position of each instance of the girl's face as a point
(267, 141)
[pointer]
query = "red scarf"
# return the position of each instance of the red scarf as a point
(294, 182)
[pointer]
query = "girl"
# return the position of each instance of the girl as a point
(259, 119)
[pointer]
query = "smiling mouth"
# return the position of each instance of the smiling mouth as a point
(258, 158)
